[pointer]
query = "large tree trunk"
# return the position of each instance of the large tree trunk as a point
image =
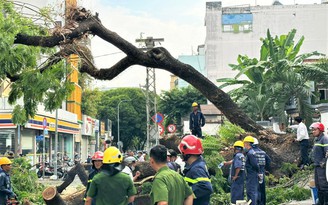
(52, 197)
(155, 58)
(79, 170)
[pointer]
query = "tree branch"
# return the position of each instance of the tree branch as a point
(156, 58)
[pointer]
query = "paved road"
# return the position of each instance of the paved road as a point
(306, 202)
(75, 186)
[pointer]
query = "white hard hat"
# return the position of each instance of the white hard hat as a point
(256, 142)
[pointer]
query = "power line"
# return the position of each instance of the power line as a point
(108, 54)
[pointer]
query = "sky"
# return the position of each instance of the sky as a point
(179, 22)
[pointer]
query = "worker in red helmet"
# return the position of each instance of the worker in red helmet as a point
(96, 168)
(195, 172)
(320, 155)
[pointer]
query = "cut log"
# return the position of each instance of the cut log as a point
(82, 174)
(79, 170)
(52, 197)
(75, 198)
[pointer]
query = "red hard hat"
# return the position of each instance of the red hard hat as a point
(318, 125)
(98, 156)
(190, 144)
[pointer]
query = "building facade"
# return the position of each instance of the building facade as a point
(231, 31)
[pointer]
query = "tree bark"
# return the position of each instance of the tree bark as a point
(79, 170)
(52, 197)
(75, 198)
(155, 58)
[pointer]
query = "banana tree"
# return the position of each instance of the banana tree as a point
(278, 76)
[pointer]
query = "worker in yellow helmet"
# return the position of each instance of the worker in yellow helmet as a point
(6, 192)
(111, 186)
(252, 170)
(196, 121)
(237, 172)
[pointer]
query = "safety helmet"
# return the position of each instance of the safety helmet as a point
(129, 160)
(112, 155)
(256, 141)
(318, 125)
(190, 144)
(194, 104)
(249, 139)
(5, 160)
(238, 144)
(98, 156)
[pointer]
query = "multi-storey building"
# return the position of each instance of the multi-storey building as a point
(235, 30)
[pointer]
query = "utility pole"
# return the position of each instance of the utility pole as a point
(151, 104)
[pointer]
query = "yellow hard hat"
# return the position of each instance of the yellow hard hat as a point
(249, 139)
(238, 144)
(194, 104)
(4, 160)
(112, 155)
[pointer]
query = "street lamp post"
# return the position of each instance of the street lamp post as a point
(118, 120)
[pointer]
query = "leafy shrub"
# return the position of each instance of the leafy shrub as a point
(280, 195)
(24, 181)
(288, 169)
(228, 132)
(211, 144)
(146, 188)
(220, 199)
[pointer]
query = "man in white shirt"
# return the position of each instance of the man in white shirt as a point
(303, 138)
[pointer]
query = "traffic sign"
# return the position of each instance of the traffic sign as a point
(160, 129)
(160, 117)
(171, 128)
(46, 132)
(44, 123)
(39, 138)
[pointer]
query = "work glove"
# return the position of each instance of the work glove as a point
(323, 164)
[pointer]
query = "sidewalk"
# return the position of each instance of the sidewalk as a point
(75, 186)
(306, 202)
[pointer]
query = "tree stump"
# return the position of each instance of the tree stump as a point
(145, 170)
(52, 197)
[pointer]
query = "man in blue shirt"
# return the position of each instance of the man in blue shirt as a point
(196, 173)
(196, 121)
(252, 170)
(264, 163)
(237, 172)
(6, 192)
(320, 155)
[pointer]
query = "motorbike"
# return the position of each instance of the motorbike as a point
(50, 170)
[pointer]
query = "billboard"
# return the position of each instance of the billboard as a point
(240, 22)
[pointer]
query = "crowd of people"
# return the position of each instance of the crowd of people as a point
(185, 179)
(191, 184)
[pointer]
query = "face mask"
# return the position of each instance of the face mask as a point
(133, 168)
(245, 149)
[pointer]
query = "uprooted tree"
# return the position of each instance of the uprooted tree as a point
(80, 23)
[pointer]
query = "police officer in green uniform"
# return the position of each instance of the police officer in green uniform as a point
(111, 186)
(168, 186)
